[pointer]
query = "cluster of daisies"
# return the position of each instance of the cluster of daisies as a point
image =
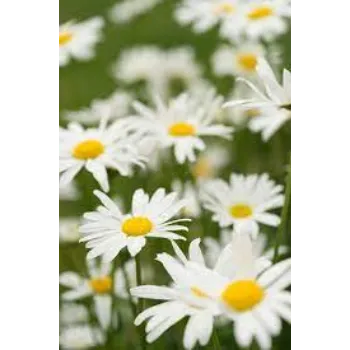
(177, 118)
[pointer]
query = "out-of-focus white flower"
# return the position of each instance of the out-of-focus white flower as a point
(244, 201)
(81, 337)
(78, 40)
(213, 247)
(189, 193)
(237, 61)
(69, 192)
(258, 19)
(127, 10)
(99, 285)
(72, 313)
(97, 149)
(182, 123)
(158, 68)
(273, 102)
(210, 162)
(113, 107)
(206, 14)
(107, 231)
(69, 230)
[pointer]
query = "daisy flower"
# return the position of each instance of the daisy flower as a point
(127, 10)
(206, 14)
(107, 231)
(99, 285)
(69, 192)
(158, 68)
(189, 193)
(182, 299)
(259, 19)
(182, 123)
(81, 337)
(78, 40)
(273, 102)
(113, 107)
(237, 61)
(73, 313)
(69, 230)
(210, 162)
(245, 201)
(97, 149)
(213, 247)
(255, 301)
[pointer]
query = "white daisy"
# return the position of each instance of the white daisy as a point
(69, 230)
(206, 14)
(113, 107)
(190, 194)
(255, 301)
(127, 10)
(183, 299)
(73, 313)
(99, 285)
(237, 61)
(81, 337)
(182, 123)
(78, 40)
(210, 162)
(213, 247)
(69, 192)
(158, 68)
(245, 201)
(259, 19)
(107, 231)
(97, 149)
(274, 102)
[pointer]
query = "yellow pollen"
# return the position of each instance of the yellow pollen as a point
(88, 149)
(242, 295)
(137, 226)
(251, 113)
(199, 293)
(202, 168)
(241, 211)
(225, 7)
(181, 130)
(260, 12)
(65, 37)
(101, 285)
(248, 61)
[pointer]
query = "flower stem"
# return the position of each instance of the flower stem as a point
(285, 211)
(215, 341)
(140, 302)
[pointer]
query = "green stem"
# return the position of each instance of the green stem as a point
(140, 302)
(285, 212)
(215, 341)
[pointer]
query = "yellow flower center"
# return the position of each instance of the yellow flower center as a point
(202, 168)
(225, 7)
(88, 149)
(248, 61)
(241, 211)
(181, 130)
(101, 285)
(251, 113)
(242, 295)
(65, 37)
(199, 293)
(260, 12)
(137, 226)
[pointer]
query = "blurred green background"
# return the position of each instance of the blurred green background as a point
(81, 82)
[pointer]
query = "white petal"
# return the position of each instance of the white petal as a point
(99, 172)
(273, 275)
(153, 292)
(195, 253)
(135, 244)
(103, 309)
(70, 279)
